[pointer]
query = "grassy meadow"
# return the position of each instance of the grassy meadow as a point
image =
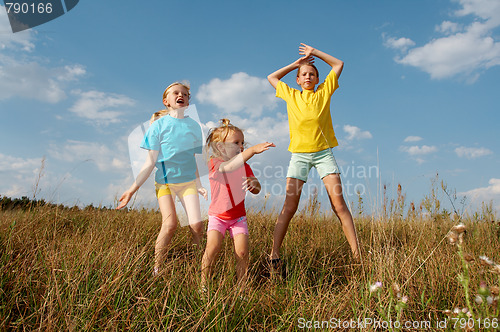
(72, 269)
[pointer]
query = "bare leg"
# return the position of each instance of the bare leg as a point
(241, 252)
(168, 227)
(293, 191)
(191, 204)
(214, 245)
(333, 187)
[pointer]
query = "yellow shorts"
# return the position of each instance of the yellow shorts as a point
(177, 189)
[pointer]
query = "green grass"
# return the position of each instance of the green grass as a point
(91, 269)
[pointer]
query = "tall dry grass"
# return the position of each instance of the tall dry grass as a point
(91, 269)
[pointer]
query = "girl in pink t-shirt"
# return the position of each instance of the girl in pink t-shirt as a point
(230, 177)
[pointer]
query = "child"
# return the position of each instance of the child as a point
(230, 177)
(171, 141)
(311, 140)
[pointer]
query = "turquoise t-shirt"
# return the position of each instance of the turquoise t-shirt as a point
(177, 140)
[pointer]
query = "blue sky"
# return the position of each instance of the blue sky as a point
(418, 94)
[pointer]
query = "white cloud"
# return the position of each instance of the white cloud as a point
(417, 152)
(106, 159)
(8, 39)
(100, 107)
(240, 93)
(463, 52)
(355, 133)
(486, 194)
(448, 27)
(413, 139)
(71, 73)
(17, 175)
(30, 80)
(486, 9)
(26, 76)
(400, 44)
(472, 153)
(10, 163)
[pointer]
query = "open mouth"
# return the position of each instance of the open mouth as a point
(180, 101)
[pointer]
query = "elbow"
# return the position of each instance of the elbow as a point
(273, 80)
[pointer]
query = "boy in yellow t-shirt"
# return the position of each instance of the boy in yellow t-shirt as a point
(311, 139)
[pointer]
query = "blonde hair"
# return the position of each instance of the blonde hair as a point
(163, 112)
(219, 135)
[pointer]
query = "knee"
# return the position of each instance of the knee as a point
(289, 208)
(242, 255)
(197, 228)
(340, 207)
(168, 228)
(212, 250)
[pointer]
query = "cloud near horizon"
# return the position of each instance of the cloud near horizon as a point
(472, 153)
(485, 194)
(104, 158)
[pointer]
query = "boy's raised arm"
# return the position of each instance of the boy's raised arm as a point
(336, 64)
(275, 77)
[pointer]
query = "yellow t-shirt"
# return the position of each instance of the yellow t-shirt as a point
(309, 118)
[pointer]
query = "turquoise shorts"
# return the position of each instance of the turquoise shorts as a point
(301, 164)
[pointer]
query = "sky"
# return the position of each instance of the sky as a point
(418, 94)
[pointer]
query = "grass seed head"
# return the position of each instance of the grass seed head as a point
(486, 261)
(496, 269)
(459, 229)
(375, 287)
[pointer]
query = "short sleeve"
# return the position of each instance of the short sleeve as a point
(248, 171)
(198, 145)
(213, 166)
(330, 84)
(283, 91)
(151, 140)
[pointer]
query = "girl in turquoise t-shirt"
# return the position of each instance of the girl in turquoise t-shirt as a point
(171, 141)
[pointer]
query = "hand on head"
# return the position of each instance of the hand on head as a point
(304, 61)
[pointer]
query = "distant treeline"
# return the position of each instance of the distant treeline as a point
(25, 203)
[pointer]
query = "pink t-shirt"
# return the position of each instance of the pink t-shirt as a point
(228, 197)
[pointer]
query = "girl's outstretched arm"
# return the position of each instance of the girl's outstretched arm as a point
(275, 77)
(146, 170)
(336, 64)
(241, 158)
